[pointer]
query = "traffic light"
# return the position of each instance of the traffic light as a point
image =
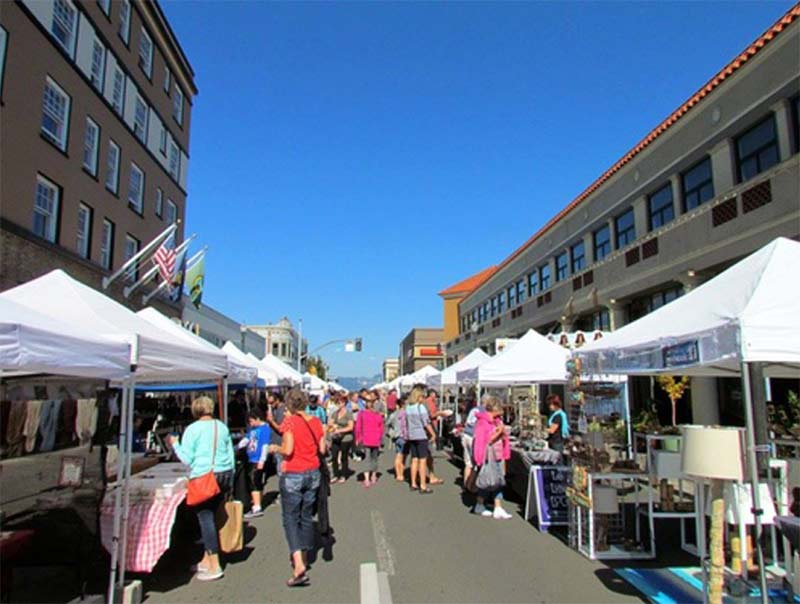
(358, 344)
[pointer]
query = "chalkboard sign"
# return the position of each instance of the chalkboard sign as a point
(550, 484)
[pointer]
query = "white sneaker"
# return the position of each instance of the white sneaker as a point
(486, 513)
(209, 576)
(501, 514)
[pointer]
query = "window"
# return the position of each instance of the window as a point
(757, 149)
(485, 310)
(521, 291)
(167, 79)
(177, 105)
(544, 277)
(107, 245)
(795, 108)
(91, 146)
(118, 90)
(601, 320)
(660, 209)
(494, 306)
(162, 145)
(501, 302)
(3, 43)
(602, 242)
(146, 53)
(159, 203)
(698, 185)
(625, 228)
(474, 316)
(140, 119)
(662, 298)
(84, 230)
(174, 159)
(172, 212)
(131, 249)
(45, 209)
(125, 20)
(112, 167)
(136, 188)
(283, 349)
(105, 6)
(55, 114)
(562, 266)
(578, 257)
(98, 64)
(275, 348)
(63, 24)
(533, 283)
(512, 296)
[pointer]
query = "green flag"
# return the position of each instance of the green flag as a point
(195, 278)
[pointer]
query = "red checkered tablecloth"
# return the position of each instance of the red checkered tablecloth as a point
(149, 527)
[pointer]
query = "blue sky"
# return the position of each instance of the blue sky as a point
(349, 160)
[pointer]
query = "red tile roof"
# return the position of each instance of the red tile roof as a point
(470, 283)
(791, 15)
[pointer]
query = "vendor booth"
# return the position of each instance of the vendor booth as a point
(740, 323)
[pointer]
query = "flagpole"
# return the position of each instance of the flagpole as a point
(144, 251)
(146, 298)
(129, 289)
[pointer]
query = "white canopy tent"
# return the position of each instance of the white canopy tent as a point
(314, 383)
(238, 371)
(270, 378)
(287, 376)
(34, 343)
(154, 357)
(746, 314)
(532, 360)
(420, 376)
(337, 387)
(449, 376)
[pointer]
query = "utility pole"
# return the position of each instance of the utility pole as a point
(300, 345)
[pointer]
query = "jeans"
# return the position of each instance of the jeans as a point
(372, 458)
(298, 498)
(343, 447)
(207, 511)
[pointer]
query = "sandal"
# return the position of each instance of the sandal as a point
(437, 481)
(425, 491)
(412, 487)
(299, 581)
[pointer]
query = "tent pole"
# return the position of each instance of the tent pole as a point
(127, 492)
(754, 481)
(123, 438)
(225, 398)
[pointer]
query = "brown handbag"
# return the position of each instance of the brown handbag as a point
(202, 488)
(230, 520)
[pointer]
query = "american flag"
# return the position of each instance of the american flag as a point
(165, 258)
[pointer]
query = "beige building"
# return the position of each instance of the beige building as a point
(716, 180)
(95, 114)
(422, 346)
(391, 369)
(280, 340)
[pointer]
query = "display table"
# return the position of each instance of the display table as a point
(519, 466)
(155, 496)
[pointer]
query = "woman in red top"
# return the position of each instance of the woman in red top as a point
(303, 442)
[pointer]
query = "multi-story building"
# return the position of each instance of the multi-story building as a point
(95, 108)
(452, 297)
(713, 182)
(280, 340)
(390, 369)
(218, 328)
(422, 346)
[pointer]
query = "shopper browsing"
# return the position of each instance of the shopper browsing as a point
(369, 434)
(491, 448)
(257, 443)
(557, 424)
(419, 430)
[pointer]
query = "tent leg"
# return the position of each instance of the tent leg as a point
(754, 481)
(123, 439)
(126, 485)
(225, 399)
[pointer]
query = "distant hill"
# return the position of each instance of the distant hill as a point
(356, 383)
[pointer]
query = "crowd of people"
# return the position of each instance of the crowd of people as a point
(310, 442)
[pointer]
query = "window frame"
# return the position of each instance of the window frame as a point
(159, 204)
(687, 192)
(62, 142)
(137, 205)
(756, 154)
(93, 167)
(562, 269)
(98, 79)
(631, 230)
(115, 189)
(146, 65)
(656, 215)
(140, 102)
(605, 247)
(794, 104)
(522, 291)
(3, 52)
(84, 248)
(167, 78)
(132, 274)
(173, 147)
(577, 264)
(511, 295)
(73, 27)
(533, 283)
(50, 215)
(177, 105)
(172, 208)
(545, 277)
(119, 76)
(105, 6)
(125, 35)
(106, 259)
(501, 302)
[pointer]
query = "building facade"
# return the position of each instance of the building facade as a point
(718, 179)
(218, 328)
(451, 300)
(390, 369)
(280, 340)
(421, 347)
(95, 112)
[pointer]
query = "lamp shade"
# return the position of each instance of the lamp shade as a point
(604, 500)
(712, 452)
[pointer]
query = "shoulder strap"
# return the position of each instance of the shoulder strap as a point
(214, 450)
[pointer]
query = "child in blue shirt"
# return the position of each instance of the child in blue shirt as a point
(256, 442)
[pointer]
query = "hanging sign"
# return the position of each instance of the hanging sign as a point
(550, 490)
(680, 355)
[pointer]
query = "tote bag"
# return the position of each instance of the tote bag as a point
(490, 476)
(230, 520)
(202, 488)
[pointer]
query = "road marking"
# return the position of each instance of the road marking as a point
(374, 585)
(384, 551)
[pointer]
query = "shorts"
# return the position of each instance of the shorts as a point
(400, 446)
(466, 443)
(256, 479)
(418, 449)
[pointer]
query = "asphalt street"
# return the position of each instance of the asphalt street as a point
(430, 547)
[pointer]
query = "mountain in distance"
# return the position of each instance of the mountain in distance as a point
(357, 383)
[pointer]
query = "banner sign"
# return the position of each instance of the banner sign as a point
(550, 489)
(680, 355)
